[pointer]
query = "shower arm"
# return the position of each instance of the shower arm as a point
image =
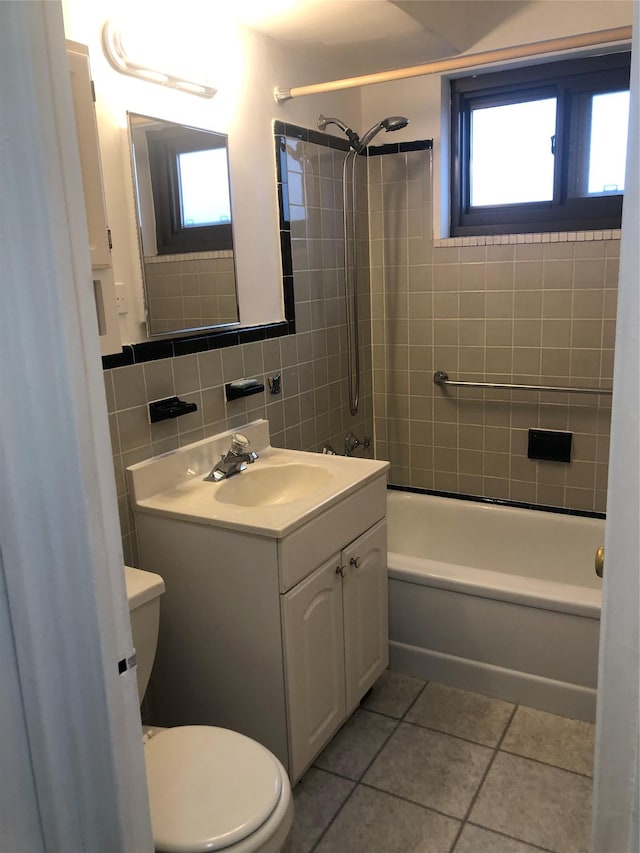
(353, 137)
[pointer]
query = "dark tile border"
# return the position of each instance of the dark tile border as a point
(294, 131)
(216, 339)
(583, 513)
(118, 359)
(400, 147)
(306, 134)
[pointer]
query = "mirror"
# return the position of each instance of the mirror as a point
(183, 204)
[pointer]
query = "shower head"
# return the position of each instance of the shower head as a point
(394, 123)
(387, 124)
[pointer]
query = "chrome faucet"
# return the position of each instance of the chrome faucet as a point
(234, 461)
(351, 443)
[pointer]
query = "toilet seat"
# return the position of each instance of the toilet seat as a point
(212, 789)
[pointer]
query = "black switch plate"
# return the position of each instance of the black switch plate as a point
(550, 445)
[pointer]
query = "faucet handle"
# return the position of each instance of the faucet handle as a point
(239, 443)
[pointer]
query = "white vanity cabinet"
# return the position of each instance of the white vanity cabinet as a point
(276, 634)
(335, 637)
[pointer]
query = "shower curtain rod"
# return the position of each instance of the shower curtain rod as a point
(454, 63)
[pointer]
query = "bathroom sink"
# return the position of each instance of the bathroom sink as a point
(273, 485)
(279, 492)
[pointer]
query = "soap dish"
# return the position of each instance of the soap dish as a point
(172, 407)
(242, 388)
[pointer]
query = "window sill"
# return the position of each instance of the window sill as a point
(518, 239)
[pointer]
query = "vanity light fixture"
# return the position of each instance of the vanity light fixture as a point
(115, 52)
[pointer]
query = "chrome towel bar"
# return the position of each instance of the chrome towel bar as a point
(441, 378)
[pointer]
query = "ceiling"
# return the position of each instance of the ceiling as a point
(362, 36)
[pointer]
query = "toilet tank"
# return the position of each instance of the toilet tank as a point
(143, 591)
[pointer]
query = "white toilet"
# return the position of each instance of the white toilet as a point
(209, 788)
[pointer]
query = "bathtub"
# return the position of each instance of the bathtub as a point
(495, 599)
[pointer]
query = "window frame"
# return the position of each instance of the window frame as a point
(564, 80)
(171, 237)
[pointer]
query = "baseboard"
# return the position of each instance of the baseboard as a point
(522, 688)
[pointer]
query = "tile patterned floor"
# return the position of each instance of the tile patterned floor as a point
(424, 768)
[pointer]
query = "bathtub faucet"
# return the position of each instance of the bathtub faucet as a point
(352, 442)
(234, 461)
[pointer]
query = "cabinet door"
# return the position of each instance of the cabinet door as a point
(87, 131)
(314, 663)
(366, 614)
(90, 165)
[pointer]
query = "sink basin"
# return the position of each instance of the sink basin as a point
(277, 494)
(273, 485)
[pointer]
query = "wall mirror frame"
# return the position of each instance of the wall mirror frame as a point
(185, 236)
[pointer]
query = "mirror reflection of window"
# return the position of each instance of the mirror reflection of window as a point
(170, 147)
(204, 188)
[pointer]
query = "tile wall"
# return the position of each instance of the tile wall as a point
(186, 292)
(312, 409)
(315, 178)
(533, 313)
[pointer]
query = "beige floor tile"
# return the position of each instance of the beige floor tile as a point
(316, 799)
(535, 803)
(459, 712)
(357, 743)
(474, 839)
(374, 822)
(430, 768)
(554, 740)
(393, 693)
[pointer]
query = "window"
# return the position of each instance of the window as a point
(541, 148)
(190, 179)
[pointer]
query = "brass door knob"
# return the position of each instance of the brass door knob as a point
(600, 561)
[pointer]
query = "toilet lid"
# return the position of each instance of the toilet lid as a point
(209, 788)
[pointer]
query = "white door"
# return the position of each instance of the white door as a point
(366, 612)
(616, 783)
(314, 654)
(72, 751)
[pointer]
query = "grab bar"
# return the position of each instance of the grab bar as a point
(441, 378)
